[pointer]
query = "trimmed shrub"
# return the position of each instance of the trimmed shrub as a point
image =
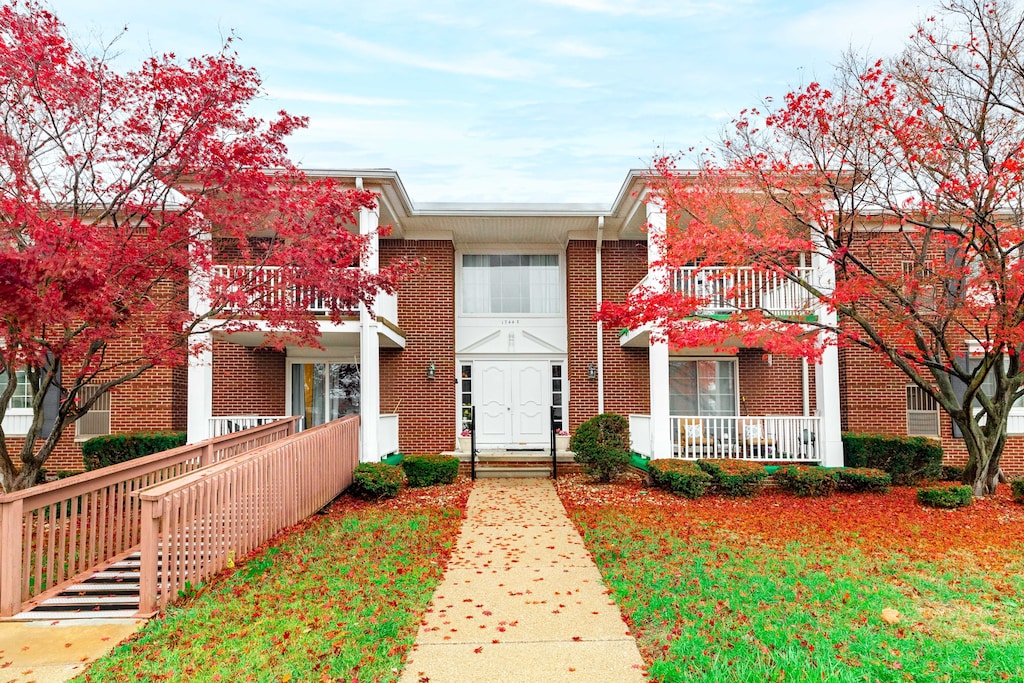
(734, 477)
(857, 479)
(681, 477)
(952, 473)
(103, 451)
(806, 480)
(910, 460)
(377, 480)
(427, 470)
(1017, 489)
(946, 497)
(601, 446)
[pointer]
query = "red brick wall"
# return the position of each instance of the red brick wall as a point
(626, 378)
(248, 381)
(774, 389)
(426, 313)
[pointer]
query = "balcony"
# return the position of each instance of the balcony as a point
(724, 291)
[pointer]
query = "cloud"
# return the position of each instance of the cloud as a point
(570, 48)
(835, 26)
(649, 8)
(333, 98)
(489, 64)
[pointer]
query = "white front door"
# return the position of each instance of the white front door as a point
(512, 399)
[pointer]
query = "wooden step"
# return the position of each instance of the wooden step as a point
(58, 615)
(87, 601)
(98, 587)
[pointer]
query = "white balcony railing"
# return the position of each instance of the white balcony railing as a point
(770, 438)
(219, 426)
(735, 289)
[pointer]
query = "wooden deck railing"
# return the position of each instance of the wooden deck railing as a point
(54, 533)
(191, 526)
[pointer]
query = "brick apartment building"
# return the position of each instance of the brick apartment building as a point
(499, 316)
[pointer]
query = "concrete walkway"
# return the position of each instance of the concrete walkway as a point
(52, 651)
(521, 599)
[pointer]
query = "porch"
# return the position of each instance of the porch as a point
(760, 438)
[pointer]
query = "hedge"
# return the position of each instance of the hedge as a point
(857, 479)
(601, 446)
(946, 497)
(427, 470)
(681, 477)
(910, 460)
(806, 480)
(734, 477)
(103, 451)
(377, 480)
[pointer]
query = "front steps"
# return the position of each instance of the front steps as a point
(514, 464)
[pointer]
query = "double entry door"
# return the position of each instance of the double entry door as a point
(513, 399)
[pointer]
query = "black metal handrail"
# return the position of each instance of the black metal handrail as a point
(554, 445)
(472, 443)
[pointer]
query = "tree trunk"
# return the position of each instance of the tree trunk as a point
(984, 453)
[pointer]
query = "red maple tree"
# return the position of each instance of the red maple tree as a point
(906, 178)
(116, 191)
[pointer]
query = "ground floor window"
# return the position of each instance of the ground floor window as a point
(22, 398)
(322, 392)
(922, 412)
(96, 422)
(702, 387)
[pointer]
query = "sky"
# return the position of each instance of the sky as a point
(505, 100)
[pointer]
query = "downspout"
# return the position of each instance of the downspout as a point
(600, 324)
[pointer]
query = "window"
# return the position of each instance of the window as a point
(702, 387)
(466, 388)
(96, 422)
(925, 288)
(516, 284)
(556, 395)
(322, 392)
(22, 399)
(922, 412)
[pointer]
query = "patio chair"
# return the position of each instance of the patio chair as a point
(693, 441)
(753, 441)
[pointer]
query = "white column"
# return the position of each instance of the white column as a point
(200, 361)
(826, 372)
(369, 352)
(200, 389)
(661, 433)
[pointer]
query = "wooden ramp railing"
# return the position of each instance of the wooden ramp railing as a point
(193, 524)
(57, 533)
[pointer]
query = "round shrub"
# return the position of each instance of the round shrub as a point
(1017, 489)
(427, 470)
(734, 477)
(681, 477)
(377, 480)
(946, 497)
(601, 446)
(806, 480)
(857, 479)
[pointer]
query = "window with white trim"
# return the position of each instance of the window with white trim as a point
(511, 283)
(22, 399)
(557, 389)
(702, 387)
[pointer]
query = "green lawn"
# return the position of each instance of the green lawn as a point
(337, 598)
(777, 588)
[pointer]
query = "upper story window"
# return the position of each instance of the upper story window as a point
(511, 283)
